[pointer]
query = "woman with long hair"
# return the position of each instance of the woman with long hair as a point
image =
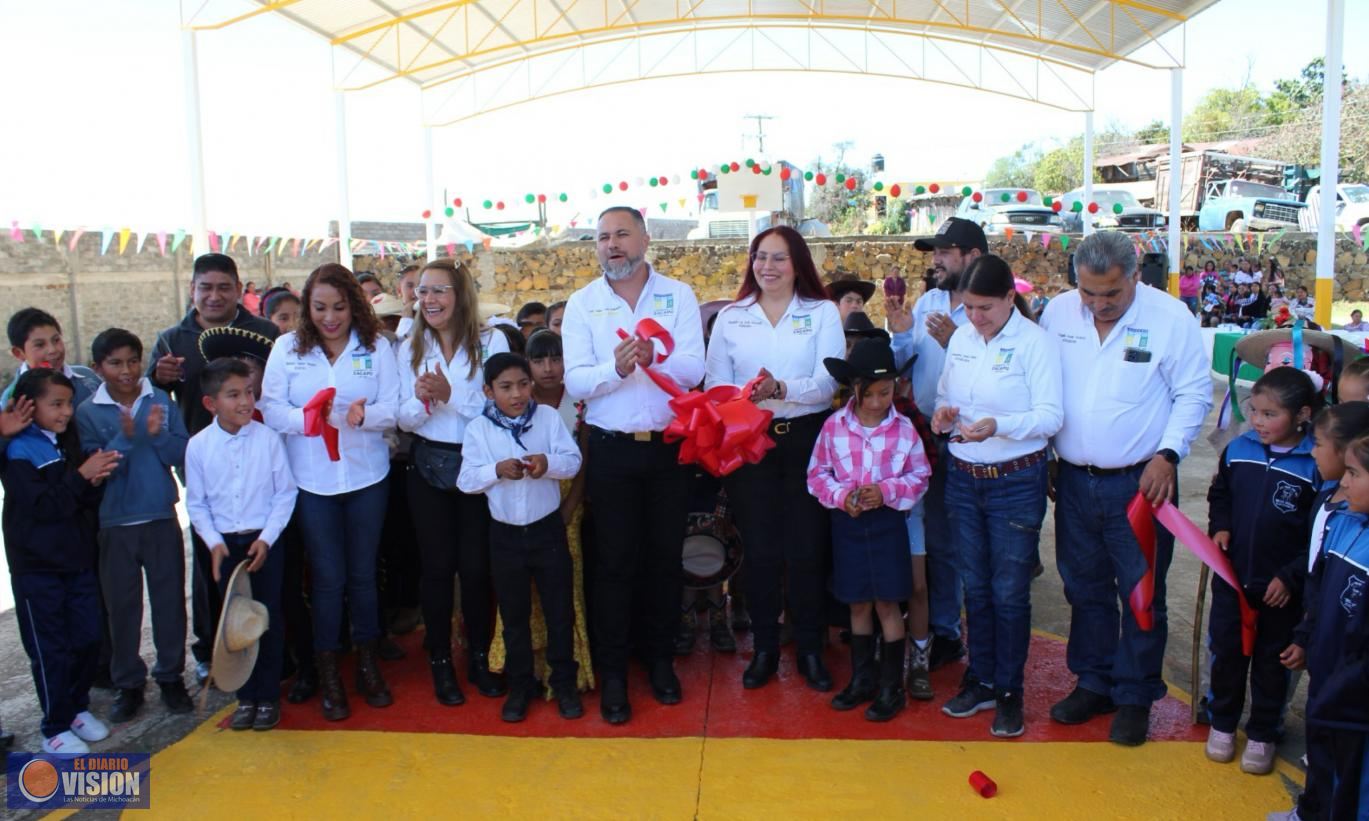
(341, 463)
(441, 392)
(781, 328)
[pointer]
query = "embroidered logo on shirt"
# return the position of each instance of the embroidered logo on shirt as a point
(361, 364)
(662, 304)
(802, 324)
(1137, 338)
(1285, 498)
(1353, 594)
(1003, 360)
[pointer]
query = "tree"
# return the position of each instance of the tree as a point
(1226, 114)
(845, 212)
(1063, 169)
(1299, 141)
(1017, 170)
(1155, 132)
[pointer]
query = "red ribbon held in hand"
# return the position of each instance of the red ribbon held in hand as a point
(720, 429)
(1142, 518)
(316, 421)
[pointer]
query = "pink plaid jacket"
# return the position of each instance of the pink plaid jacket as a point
(847, 456)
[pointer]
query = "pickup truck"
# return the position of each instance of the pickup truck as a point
(1352, 207)
(1133, 217)
(1241, 205)
(1023, 211)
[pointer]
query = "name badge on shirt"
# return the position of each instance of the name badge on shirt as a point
(662, 304)
(1136, 338)
(1003, 361)
(801, 324)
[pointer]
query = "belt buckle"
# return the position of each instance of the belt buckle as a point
(641, 436)
(781, 428)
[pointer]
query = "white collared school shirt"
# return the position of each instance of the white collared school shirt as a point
(1144, 388)
(292, 379)
(238, 482)
(792, 350)
(931, 356)
(445, 421)
(589, 333)
(1013, 378)
(518, 501)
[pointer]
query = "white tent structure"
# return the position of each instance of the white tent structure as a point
(471, 57)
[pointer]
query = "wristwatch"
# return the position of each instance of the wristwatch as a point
(1170, 455)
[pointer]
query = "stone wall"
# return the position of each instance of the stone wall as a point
(145, 292)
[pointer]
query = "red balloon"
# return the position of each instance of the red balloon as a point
(541, 197)
(850, 183)
(784, 173)
(820, 179)
(700, 197)
(457, 202)
(1093, 208)
(1057, 206)
(934, 188)
(756, 169)
(622, 186)
(895, 191)
(427, 214)
(499, 205)
(663, 180)
(977, 196)
(703, 173)
(735, 166)
(1021, 196)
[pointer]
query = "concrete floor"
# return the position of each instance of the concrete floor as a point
(154, 730)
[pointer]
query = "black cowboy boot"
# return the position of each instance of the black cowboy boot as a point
(863, 686)
(369, 682)
(891, 699)
(334, 697)
(489, 684)
(445, 687)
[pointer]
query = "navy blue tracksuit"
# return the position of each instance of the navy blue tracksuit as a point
(49, 526)
(1336, 637)
(1265, 500)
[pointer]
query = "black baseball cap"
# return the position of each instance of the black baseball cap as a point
(955, 233)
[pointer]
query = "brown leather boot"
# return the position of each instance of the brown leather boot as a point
(334, 697)
(370, 683)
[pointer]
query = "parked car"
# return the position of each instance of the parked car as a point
(1020, 213)
(1352, 207)
(1241, 205)
(1134, 216)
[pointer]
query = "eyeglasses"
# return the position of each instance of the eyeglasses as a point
(778, 259)
(436, 290)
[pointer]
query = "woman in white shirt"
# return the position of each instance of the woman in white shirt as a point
(341, 504)
(781, 327)
(1000, 400)
(441, 391)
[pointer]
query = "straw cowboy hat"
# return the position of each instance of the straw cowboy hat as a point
(242, 623)
(387, 304)
(489, 310)
(1254, 348)
(712, 550)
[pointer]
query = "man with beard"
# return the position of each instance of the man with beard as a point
(175, 368)
(924, 331)
(640, 490)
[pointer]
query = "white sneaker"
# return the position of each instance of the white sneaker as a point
(1221, 747)
(89, 728)
(1288, 815)
(65, 743)
(1258, 758)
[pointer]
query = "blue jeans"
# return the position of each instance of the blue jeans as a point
(1100, 562)
(944, 592)
(342, 535)
(997, 527)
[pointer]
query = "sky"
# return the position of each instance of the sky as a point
(94, 130)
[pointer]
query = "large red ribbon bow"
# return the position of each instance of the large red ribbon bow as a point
(316, 421)
(719, 429)
(1142, 517)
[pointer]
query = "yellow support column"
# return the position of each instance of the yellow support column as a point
(1323, 299)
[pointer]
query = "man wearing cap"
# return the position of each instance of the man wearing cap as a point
(1136, 391)
(924, 332)
(175, 368)
(850, 294)
(640, 491)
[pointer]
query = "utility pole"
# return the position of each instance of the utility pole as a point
(760, 131)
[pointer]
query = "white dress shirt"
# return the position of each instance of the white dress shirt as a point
(930, 355)
(792, 350)
(518, 501)
(292, 379)
(1014, 378)
(1119, 413)
(406, 324)
(589, 333)
(447, 420)
(238, 482)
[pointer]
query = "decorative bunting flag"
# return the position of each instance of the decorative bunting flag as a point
(57, 237)
(1064, 242)
(663, 207)
(214, 241)
(37, 232)
(161, 241)
(177, 239)
(75, 238)
(1046, 241)
(15, 233)
(124, 234)
(106, 237)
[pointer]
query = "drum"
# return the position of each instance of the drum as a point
(712, 550)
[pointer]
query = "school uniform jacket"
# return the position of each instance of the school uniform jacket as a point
(49, 516)
(183, 340)
(1265, 499)
(1337, 627)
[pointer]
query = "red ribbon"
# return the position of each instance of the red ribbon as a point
(1142, 518)
(719, 429)
(316, 421)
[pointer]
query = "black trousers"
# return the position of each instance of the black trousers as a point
(1268, 678)
(641, 501)
(264, 683)
(786, 535)
(299, 621)
(398, 571)
(519, 556)
(205, 601)
(453, 531)
(1335, 775)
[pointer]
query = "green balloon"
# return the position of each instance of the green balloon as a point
(1005, 196)
(766, 171)
(921, 189)
(529, 198)
(608, 188)
(487, 204)
(450, 211)
(694, 175)
(750, 163)
(1117, 208)
(563, 198)
(726, 169)
(966, 191)
(879, 186)
(808, 176)
(1048, 201)
(841, 178)
(1077, 207)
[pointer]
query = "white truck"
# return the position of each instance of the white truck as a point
(1352, 207)
(741, 204)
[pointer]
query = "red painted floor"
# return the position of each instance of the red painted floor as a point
(716, 705)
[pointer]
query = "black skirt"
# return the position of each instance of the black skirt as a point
(870, 558)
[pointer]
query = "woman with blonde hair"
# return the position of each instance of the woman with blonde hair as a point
(441, 392)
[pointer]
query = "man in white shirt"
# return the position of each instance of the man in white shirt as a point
(1136, 391)
(925, 332)
(640, 490)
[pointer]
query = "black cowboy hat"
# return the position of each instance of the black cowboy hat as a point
(859, 324)
(841, 287)
(870, 359)
(230, 341)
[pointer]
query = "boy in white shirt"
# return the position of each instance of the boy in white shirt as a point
(516, 452)
(240, 494)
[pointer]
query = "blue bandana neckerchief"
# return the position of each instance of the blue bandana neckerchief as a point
(516, 426)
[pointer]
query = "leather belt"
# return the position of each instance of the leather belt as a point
(1093, 470)
(782, 427)
(1000, 469)
(638, 436)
